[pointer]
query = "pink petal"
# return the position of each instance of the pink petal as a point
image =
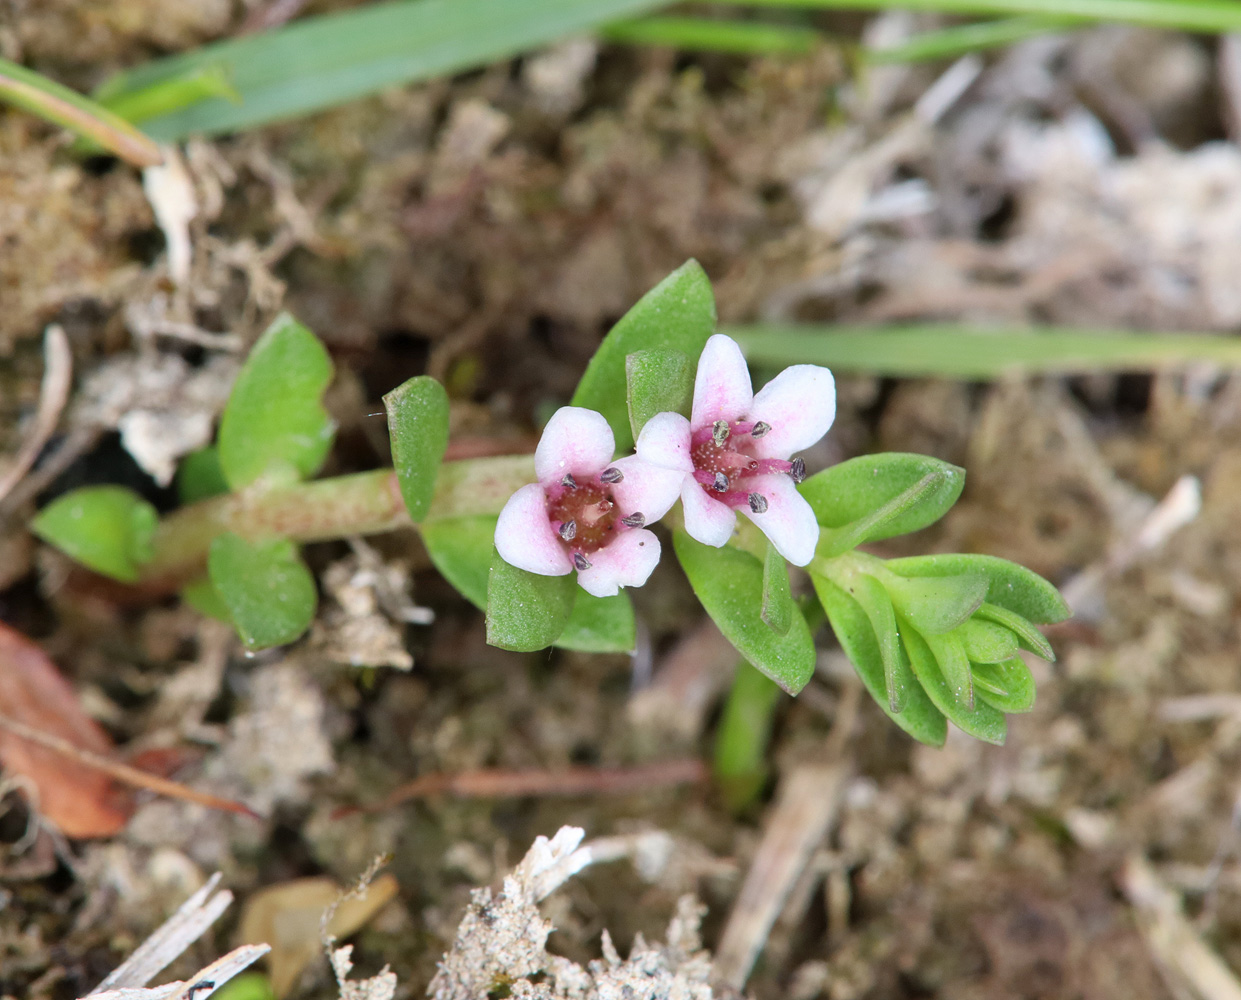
(665, 441)
(706, 520)
(800, 405)
(576, 441)
(525, 538)
(626, 561)
(646, 489)
(788, 522)
(722, 389)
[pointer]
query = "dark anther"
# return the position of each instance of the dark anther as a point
(580, 561)
(569, 481)
(721, 483)
(206, 984)
(568, 530)
(758, 503)
(798, 471)
(760, 429)
(719, 432)
(634, 520)
(612, 475)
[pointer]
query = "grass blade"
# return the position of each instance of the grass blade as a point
(962, 352)
(706, 35)
(50, 100)
(1185, 15)
(948, 43)
(323, 61)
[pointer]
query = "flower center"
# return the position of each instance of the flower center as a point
(585, 516)
(727, 469)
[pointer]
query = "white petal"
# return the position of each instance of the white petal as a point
(525, 537)
(626, 561)
(576, 441)
(800, 405)
(665, 440)
(646, 489)
(706, 520)
(722, 388)
(788, 522)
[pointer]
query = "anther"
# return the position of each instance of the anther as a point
(580, 561)
(612, 475)
(721, 483)
(634, 520)
(760, 429)
(569, 481)
(719, 432)
(798, 470)
(758, 503)
(568, 530)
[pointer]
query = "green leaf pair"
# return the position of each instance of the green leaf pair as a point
(935, 638)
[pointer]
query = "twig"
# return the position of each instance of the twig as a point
(123, 772)
(566, 781)
(57, 376)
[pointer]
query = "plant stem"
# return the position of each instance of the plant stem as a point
(365, 503)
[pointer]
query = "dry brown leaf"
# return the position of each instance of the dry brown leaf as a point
(288, 917)
(79, 800)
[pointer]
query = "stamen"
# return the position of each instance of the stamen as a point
(580, 561)
(720, 483)
(612, 475)
(758, 503)
(568, 530)
(634, 520)
(719, 432)
(760, 428)
(569, 481)
(798, 470)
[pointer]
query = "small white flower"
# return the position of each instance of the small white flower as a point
(734, 452)
(586, 512)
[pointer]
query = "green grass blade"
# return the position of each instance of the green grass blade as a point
(705, 35)
(323, 61)
(948, 43)
(50, 100)
(976, 353)
(1185, 15)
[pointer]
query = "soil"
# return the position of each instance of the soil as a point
(488, 230)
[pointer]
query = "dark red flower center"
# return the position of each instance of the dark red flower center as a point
(727, 469)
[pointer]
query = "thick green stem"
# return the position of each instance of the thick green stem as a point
(362, 504)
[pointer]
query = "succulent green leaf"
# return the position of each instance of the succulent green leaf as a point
(851, 494)
(954, 665)
(987, 642)
(1008, 685)
(461, 549)
(1011, 586)
(658, 381)
(418, 428)
(936, 604)
(778, 609)
(600, 625)
(1028, 636)
(729, 583)
(274, 425)
(919, 717)
(269, 592)
(199, 476)
(108, 528)
(202, 596)
(983, 721)
(526, 611)
(247, 986)
(874, 599)
(743, 736)
(677, 314)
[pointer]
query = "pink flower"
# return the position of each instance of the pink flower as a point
(586, 512)
(734, 452)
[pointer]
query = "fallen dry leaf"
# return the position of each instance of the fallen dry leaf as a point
(289, 916)
(79, 800)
